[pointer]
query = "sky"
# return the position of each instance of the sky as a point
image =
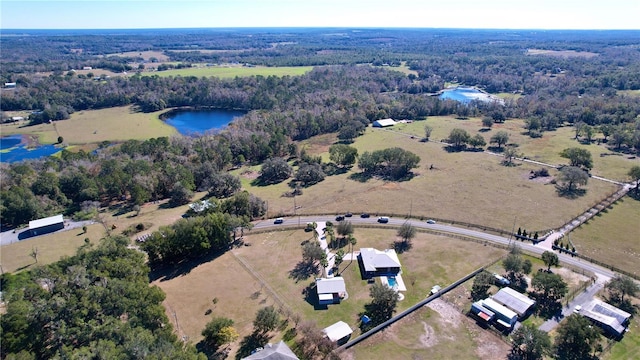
(483, 14)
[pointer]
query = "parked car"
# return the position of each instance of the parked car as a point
(279, 221)
(339, 218)
(383, 219)
(364, 215)
(430, 221)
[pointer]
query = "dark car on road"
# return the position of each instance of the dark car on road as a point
(348, 214)
(364, 216)
(339, 218)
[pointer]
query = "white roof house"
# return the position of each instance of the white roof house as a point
(608, 316)
(374, 260)
(338, 331)
(51, 220)
(279, 351)
(514, 300)
(384, 123)
(331, 290)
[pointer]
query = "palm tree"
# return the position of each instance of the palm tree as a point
(352, 242)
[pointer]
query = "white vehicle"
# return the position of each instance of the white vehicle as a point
(383, 219)
(431, 221)
(577, 309)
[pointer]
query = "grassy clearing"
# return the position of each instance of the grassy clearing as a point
(50, 247)
(612, 237)
(465, 186)
(432, 260)
(95, 126)
(561, 53)
(633, 93)
(233, 71)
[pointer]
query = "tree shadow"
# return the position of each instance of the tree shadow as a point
(311, 297)
(454, 149)
(303, 270)
(331, 169)
(250, 343)
(570, 193)
(401, 246)
(361, 177)
(484, 130)
(496, 149)
(166, 272)
(212, 354)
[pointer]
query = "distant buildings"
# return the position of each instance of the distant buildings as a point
(384, 123)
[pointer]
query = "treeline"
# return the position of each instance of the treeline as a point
(96, 304)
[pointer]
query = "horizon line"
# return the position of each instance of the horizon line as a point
(321, 27)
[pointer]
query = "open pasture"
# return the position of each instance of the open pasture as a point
(472, 187)
(51, 247)
(95, 126)
(612, 236)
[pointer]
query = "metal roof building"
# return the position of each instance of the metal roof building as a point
(338, 331)
(279, 351)
(514, 300)
(607, 316)
(46, 225)
(489, 310)
(331, 290)
(384, 123)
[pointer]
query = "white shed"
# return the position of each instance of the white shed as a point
(384, 123)
(338, 331)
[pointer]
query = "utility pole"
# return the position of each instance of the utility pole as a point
(515, 218)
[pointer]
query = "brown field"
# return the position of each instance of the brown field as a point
(436, 331)
(612, 237)
(432, 260)
(146, 55)
(561, 53)
(466, 186)
(15, 257)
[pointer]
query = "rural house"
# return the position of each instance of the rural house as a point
(490, 311)
(279, 351)
(521, 304)
(608, 317)
(331, 290)
(378, 263)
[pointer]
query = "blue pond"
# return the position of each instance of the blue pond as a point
(200, 121)
(464, 95)
(19, 152)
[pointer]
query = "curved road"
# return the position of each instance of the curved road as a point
(602, 273)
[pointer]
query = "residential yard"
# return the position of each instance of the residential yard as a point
(272, 256)
(612, 236)
(629, 346)
(51, 247)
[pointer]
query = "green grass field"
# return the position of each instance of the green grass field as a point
(95, 126)
(612, 237)
(629, 346)
(50, 248)
(233, 71)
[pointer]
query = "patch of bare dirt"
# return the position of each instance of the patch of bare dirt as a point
(490, 346)
(449, 316)
(250, 174)
(391, 186)
(572, 278)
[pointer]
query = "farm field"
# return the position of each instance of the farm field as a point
(51, 247)
(432, 260)
(445, 192)
(95, 126)
(233, 71)
(612, 237)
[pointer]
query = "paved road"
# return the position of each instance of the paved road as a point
(10, 237)
(395, 222)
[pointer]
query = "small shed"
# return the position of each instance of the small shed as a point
(338, 332)
(46, 225)
(384, 123)
(493, 311)
(9, 85)
(331, 290)
(520, 303)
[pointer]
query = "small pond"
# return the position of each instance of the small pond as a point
(466, 95)
(190, 122)
(12, 150)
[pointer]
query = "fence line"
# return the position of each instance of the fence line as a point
(262, 281)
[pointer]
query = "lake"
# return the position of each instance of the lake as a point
(13, 151)
(466, 95)
(190, 122)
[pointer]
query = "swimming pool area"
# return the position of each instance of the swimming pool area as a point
(394, 282)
